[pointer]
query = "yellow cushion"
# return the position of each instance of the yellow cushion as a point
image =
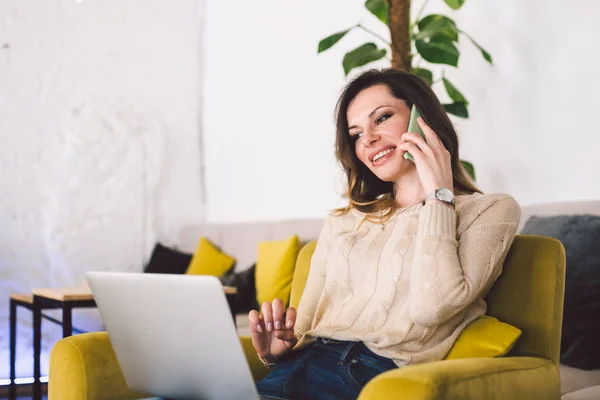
(484, 337)
(301, 272)
(275, 269)
(208, 260)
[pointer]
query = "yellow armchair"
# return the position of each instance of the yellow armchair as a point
(528, 295)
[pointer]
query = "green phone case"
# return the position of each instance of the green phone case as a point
(413, 126)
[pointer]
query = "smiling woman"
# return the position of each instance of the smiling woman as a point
(394, 278)
(371, 137)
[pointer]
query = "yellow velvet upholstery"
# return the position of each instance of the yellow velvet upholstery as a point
(511, 378)
(84, 367)
(301, 272)
(528, 295)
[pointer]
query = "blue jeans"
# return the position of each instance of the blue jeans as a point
(325, 370)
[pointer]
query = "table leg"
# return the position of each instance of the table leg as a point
(67, 322)
(37, 349)
(12, 394)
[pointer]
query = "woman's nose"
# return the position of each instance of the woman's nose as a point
(370, 137)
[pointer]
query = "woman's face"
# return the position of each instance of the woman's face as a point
(377, 120)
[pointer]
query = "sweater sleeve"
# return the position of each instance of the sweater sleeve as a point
(448, 275)
(314, 283)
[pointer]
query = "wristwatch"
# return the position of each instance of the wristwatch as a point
(442, 194)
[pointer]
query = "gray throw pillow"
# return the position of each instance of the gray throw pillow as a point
(580, 234)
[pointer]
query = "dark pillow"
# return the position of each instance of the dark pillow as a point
(580, 234)
(167, 261)
(245, 298)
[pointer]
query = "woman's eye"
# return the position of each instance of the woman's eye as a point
(357, 136)
(382, 118)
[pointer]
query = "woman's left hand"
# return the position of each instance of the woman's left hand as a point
(432, 159)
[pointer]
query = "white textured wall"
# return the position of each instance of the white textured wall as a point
(270, 98)
(100, 143)
(269, 107)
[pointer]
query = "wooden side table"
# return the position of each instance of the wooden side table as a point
(66, 299)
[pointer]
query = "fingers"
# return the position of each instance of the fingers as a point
(275, 316)
(290, 318)
(430, 136)
(419, 141)
(278, 314)
(412, 149)
(267, 316)
(255, 321)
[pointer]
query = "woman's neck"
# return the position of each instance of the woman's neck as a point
(409, 190)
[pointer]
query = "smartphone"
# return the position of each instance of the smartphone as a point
(413, 126)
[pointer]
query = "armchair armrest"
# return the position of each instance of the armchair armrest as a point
(512, 378)
(84, 367)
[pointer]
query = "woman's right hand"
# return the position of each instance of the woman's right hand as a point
(273, 332)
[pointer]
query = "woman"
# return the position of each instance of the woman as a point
(398, 273)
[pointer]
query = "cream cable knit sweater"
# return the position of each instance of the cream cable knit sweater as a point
(407, 288)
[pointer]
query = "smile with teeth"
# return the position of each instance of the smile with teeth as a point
(383, 153)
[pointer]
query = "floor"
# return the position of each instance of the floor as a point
(23, 398)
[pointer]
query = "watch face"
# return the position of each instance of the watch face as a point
(445, 194)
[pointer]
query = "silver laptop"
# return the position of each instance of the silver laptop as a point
(173, 335)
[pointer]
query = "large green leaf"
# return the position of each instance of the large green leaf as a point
(437, 27)
(458, 109)
(453, 92)
(455, 4)
(331, 40)
(379, 8)
(424, 74)
(470, 168)
(438, 52)
(362, 55)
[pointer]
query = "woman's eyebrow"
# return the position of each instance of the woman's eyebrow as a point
(370, 115)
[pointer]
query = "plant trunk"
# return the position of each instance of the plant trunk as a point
(399, 21)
